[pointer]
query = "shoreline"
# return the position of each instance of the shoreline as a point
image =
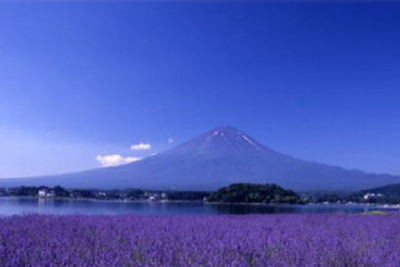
(350, 204)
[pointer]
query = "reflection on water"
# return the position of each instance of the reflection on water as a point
(286, 208)
(10, 206)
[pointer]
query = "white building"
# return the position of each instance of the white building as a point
(369, 196)
(42, 193)
(51, 194)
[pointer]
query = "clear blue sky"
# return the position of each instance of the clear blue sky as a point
(316, 81)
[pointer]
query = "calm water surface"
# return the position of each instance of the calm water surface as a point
(11, 206)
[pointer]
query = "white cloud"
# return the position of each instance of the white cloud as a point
(115, 160)
(141, 146)
(171, 141)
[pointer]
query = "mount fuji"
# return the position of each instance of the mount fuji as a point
(216, 158)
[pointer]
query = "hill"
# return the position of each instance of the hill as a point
(254, 193)
(221, 156)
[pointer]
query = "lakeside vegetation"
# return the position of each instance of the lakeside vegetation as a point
(254, 193)
(234, 193)
(117, 194)
(389, 194)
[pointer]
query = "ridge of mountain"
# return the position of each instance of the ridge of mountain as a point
(219, 157)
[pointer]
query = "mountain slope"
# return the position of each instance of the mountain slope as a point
(217, 158)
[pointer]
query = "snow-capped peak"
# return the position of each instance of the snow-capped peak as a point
(248, 140)
(231, 137)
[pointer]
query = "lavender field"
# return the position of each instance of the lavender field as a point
(252, 240)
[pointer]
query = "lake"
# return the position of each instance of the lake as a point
(12, 206)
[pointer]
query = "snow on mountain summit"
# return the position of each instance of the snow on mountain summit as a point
(221, 141)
